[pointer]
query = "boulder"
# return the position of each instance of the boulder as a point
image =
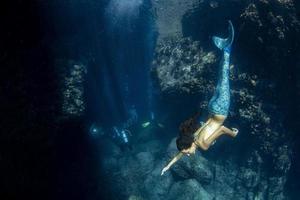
(152, 146)
(73, 78)
(181, 65)
(188, 190)
(276, 188)
(169, 16)
(156, 187)
(194, 166)
(145, 161)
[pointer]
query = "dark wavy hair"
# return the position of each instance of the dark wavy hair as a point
(186, 132)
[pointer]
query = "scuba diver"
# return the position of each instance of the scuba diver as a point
(192, 134)
(122, 137)
(121, 133)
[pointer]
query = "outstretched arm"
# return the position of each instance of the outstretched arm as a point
(174, 160)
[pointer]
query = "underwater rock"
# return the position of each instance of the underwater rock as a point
(181, 65)
(188, 190)
(169, 14)
(270, 19)
(249, 178)
(73, 76)
(276, 188)
(113, 151)
(156, 187)
(128, 178)
(109, 165)
(273, 26)
(261, 118)
(133, 197)
(224, 184)
(147, 134)
(146, 161)
(137, 172)
(283, 159)
(153, 146)
(110, 162)
(194, 166)
(127, 170)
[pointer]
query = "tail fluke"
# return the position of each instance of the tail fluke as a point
(223, 43)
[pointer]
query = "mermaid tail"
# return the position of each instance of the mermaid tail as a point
(225, 43)
(219, 103)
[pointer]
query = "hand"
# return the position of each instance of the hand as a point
(235, 131)
(164, 170)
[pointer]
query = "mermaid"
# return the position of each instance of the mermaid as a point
(193, 135)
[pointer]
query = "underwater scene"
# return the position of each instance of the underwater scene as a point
(150, 100)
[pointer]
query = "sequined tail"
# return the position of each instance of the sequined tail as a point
(225, 43)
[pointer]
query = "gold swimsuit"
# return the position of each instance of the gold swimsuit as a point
(201, 135)
(210, 131)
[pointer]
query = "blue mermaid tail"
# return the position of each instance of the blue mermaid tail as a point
(219, 103)
(225, 43)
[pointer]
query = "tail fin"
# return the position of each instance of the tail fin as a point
(223, 43)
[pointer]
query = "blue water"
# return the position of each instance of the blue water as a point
(97, 91)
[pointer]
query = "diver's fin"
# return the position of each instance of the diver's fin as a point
(223, 43)
(146, 124)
